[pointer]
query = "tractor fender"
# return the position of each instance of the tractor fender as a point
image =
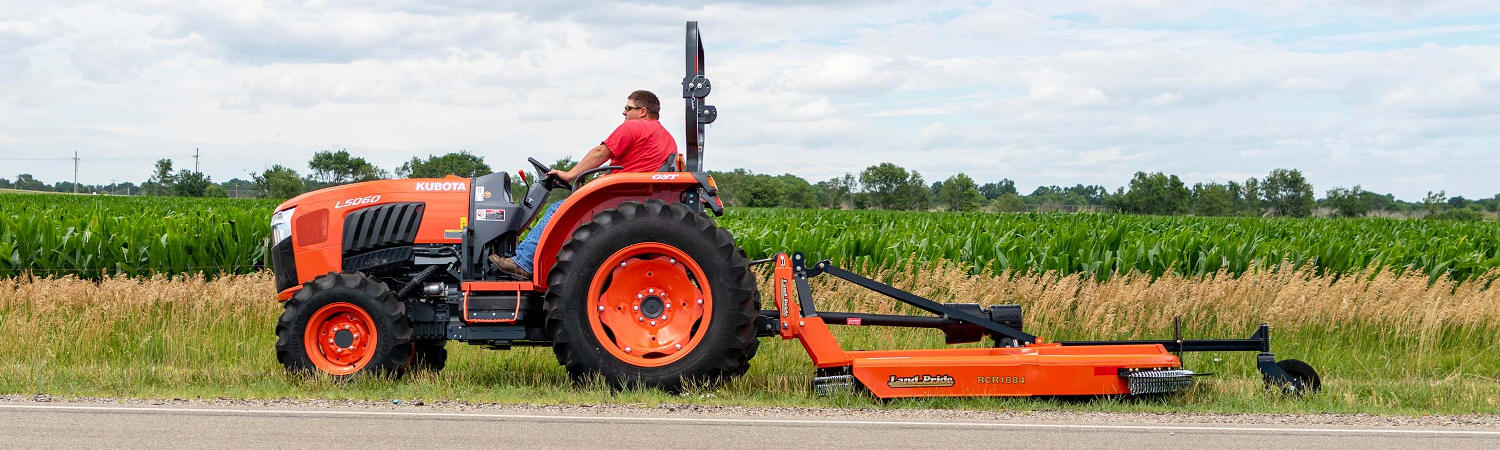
(604, 193)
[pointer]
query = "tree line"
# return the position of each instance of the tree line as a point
(1282, 192)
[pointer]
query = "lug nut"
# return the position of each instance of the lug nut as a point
(700, 301)
(640, 319)
(669, 305)
(651, 290)
(636, 307)
(622, 264)
(627, 349)
(653, 323)
(679, 346)
(672, 260)
(640, 296)
(663, 317)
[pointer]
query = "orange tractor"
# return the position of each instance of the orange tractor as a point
(635, 283)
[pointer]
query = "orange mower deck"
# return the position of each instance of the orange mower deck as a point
(1020, 364)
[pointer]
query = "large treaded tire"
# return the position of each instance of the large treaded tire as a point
(392, 346)
(727, 345)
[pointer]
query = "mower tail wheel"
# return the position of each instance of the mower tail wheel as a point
(1304, 372)
(652, 294)
(344, 324)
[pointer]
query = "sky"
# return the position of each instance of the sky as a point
(1398, 97)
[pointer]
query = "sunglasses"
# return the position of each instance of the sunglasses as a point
(628, 108)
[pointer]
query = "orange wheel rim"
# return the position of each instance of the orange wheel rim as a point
(647, 304)
(340, 338)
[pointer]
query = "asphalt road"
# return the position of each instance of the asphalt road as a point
(64, 425)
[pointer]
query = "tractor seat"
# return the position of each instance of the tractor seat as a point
(672, 164)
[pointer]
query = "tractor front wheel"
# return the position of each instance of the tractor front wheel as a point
(344, 324)
(653, 295)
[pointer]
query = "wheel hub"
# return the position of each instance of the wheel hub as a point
(649, 306)
(343, 338)
(340, 338)
(652, 306)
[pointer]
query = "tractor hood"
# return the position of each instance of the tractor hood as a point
(355, 195)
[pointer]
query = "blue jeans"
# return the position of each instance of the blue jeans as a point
(526, 250)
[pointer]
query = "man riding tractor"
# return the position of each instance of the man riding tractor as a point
(640, 144)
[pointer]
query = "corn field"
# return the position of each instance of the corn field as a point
(1103, 245)
(92, 237)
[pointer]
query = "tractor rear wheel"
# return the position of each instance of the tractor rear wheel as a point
(344, 324)
(652, 295)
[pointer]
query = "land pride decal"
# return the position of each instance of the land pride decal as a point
(916, 381)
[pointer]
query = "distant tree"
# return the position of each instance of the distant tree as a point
(236, 187)
(188, 183)
(1086, 194)
(890, 186)
(564, 163)
(26, 182)
(797, 192)
(1253, 198)
(1009, 202)
(5, 184)
(1213, 199)
(462, 163)
(993, 191)
(1156, 193)
(1288, 193)
(834, 192)
(1348, 202)
(959, 193)
(915, 194)
(331, 168)
(278, 182)
(1434, 201)
(759, 192)
(215, 191)
(161, 180)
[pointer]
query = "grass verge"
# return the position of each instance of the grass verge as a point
(1385, 344)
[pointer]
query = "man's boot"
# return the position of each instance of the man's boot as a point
(509, 267)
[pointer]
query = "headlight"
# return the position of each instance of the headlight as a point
(281, 225)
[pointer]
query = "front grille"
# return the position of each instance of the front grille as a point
(381, 226)
(284, 265)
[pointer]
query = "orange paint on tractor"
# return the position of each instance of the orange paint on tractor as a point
(446, 203)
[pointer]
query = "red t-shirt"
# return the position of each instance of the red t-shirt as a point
(640, 145)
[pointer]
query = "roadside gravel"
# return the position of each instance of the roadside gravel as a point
(1470, 422)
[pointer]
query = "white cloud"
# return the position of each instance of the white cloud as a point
(1039, 93)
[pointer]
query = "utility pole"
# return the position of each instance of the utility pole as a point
(75, 171)
(195, 160)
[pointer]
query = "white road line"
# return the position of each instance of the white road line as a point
(727, 421)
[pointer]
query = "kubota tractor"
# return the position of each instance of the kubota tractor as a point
(632, 280)
(635, 283)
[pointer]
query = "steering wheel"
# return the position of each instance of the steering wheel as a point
(549, 180)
